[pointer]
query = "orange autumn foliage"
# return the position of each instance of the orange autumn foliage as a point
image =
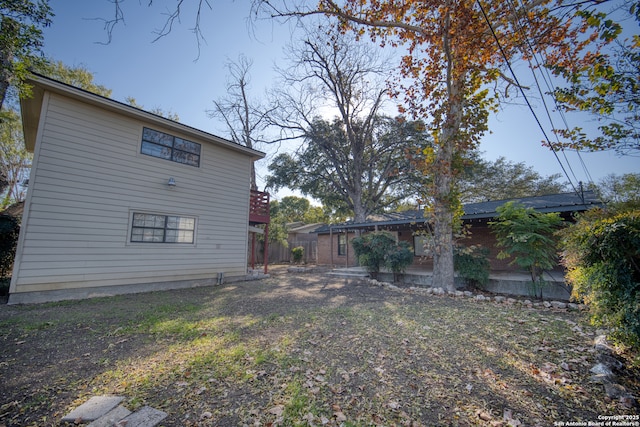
(455, 50)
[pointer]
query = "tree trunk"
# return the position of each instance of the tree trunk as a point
(359, 213)
(443, 276)
(357, 150)
(444, 197)
(254, 184)
(5, 67)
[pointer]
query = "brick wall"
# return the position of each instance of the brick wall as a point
(328, 245)
(480, 235)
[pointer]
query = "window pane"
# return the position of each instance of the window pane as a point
(136, 235)
(171, 236)
(187, 223)
(342, 244)
(148, 221)
(172, 221)
(193, 160)
(157, 137)
(156, 150)
(186, 158)
(159, 221)
(185, 236)
(158, 235)
(138, 220)
(184, 145)
(421, 245)
(179, 156)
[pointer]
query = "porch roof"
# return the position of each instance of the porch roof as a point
(563, 203)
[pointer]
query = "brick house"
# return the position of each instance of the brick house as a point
(334, 241)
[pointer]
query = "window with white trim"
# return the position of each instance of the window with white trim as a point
(155, 228)
(169, 147)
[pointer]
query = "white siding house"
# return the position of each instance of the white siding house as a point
(101, 216)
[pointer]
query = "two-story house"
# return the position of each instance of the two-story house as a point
(123, 201)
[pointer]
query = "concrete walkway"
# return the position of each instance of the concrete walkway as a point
(106, 411)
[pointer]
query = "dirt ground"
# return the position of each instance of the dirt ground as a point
(304, 349)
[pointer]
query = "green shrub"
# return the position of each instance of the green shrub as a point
(472, 264)
(375, 250)
(529, 237)
(5, 283)
(371, 250)
(9, 231)
(298, 254)
(398, 258)
(602, 256)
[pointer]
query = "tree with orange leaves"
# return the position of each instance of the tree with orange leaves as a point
(455, 50)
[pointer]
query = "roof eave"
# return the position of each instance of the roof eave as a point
(480, 215)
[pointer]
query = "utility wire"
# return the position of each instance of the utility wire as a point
(515, 78)
(546, 77)
(537, 82)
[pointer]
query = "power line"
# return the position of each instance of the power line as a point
(537, 83)
(546, 77)
(515, 78)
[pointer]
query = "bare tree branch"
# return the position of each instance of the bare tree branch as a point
(172, 17)
(246, 119)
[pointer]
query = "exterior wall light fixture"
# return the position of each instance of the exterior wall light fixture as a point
(171, 182)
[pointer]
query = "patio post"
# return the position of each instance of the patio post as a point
(266, 247)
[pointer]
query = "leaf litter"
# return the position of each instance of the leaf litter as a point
(302, 350)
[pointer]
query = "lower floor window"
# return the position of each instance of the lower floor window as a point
(342, 244)
(154, 228)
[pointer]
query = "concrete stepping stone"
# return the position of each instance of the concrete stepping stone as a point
(106, 411)
(93, 409)
(111, 418)
(144, 417)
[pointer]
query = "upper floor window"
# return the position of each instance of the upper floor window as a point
(169, 147)
(154, 228)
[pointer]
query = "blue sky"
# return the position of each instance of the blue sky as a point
(166, 74)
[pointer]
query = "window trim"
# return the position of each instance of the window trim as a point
(164, 228)
(342, 247)
(172, 149)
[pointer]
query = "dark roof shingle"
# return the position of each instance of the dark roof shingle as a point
(563, 202)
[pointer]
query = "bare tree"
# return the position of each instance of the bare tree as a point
(331, 73)
(245, 118)
(172, 14)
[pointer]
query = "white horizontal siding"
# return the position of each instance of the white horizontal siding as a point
(90, 177)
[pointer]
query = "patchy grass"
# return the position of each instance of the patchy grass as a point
(298, 351)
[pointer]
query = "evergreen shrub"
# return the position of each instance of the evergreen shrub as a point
(297, 254)
(601, 252)
(472, 264)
